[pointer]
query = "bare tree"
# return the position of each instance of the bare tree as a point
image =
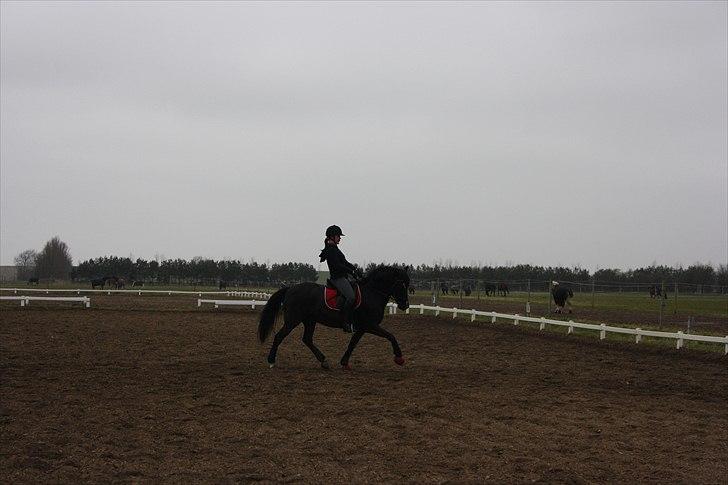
(25, 262)
(54, 261)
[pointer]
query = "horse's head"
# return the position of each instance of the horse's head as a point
(393, 282)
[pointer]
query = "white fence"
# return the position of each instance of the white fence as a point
(78, 291)
(638, 333)
(516, 319)
(25, 300)
(218, 303)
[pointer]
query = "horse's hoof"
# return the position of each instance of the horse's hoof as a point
(325, 365)
(346, 366)
(399, 360)
(271, 365)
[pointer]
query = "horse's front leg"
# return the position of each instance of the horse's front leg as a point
(352, 344)
(379, 331)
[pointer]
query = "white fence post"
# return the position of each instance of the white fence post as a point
(602, 332)
(492, 317)
(437, 311)
(571, 328)
(454, 313)
(680, 341)
(422, 308)
(516, 320)
(472, 315)
(199, 303)
(542, 325)
(638, 335)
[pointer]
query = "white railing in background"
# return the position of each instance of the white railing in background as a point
(217, 303)
(679, 336)
(516, 319)
(78, 291)
(25, 300)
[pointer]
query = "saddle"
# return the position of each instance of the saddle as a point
(334, 301)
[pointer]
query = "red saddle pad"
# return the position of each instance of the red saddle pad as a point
(330, 295)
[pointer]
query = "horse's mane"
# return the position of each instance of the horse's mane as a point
(384, 272)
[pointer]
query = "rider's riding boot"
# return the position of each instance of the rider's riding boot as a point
(347, 326)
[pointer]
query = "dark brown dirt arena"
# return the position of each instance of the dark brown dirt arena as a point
(155, 390)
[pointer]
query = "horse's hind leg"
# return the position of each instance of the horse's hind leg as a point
(307, 338)
(282, 333)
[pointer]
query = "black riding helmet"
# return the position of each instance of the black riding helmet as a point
(332, 231)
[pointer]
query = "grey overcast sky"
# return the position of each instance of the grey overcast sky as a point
(549, 133)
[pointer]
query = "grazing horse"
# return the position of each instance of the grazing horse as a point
(503, 289)
(304, 303)
(444, 288)
(101, 282)
(120, 283)
(137, 283)
(489, 289)
(33, 281)
(562, 296)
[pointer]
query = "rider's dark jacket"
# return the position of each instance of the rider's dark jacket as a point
(338, 265)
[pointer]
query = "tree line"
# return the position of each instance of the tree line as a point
(197, 271)
(697, 274)
(54, 262)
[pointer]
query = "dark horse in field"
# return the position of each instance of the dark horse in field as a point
(304, 303)
(33, 281)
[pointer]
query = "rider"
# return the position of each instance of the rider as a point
(339, 269)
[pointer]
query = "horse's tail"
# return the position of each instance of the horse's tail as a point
(269, 313)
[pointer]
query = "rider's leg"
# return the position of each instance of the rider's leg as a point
(345, 290)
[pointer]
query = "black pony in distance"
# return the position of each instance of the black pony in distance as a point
(304, 303)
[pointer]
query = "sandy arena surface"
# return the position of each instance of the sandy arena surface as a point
(165, 392)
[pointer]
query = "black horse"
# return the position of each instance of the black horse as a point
(489, 289)
(33, 281)
(503, 289)
(304, 303)
(101, 282)
(222, 285)
(562, 296)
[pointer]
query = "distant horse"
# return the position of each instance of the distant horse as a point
(222, 285)
(411, 290)
(562, 296)
(655, 291)
(304, 303)
(33, 281)
(137, 283)
(467, 290)
(503, 289)
(444, 288)
(489, 289)
(454, 291)
(100, 282)
(120, 283)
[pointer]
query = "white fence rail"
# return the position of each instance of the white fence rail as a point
(603, 329)
(78, 291)
(25, 300)
(218, 303)
(516, 319)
